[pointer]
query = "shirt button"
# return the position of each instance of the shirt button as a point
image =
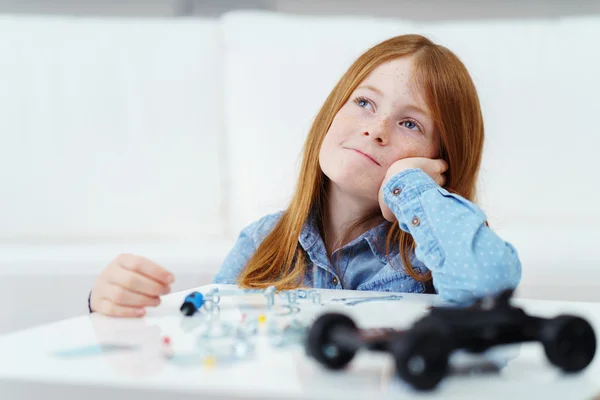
(416, 221)
(335, 280)
(397, 191)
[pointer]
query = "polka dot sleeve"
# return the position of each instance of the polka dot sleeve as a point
(466, 258)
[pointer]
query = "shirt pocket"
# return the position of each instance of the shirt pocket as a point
(393, 281)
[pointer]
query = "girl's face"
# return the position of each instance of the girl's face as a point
(384, 120)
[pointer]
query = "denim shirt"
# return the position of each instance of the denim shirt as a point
(466, 258)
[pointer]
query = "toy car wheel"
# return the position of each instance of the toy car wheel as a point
(421, 358)
(320, 345)
(569, 342)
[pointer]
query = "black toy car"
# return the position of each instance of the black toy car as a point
(421, 352)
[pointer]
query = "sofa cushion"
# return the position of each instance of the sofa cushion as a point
(537, 81)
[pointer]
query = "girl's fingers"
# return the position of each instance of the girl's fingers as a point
(109, 308)
(124, 297)
(138, 283)
(145, 267)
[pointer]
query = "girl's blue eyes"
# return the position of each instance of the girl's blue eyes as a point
(362, 102)
(408, 123)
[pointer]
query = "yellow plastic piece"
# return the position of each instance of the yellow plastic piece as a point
(262, 318)
(209, 361)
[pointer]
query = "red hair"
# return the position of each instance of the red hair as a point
(454, 107)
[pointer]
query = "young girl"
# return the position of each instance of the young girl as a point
(385, 196)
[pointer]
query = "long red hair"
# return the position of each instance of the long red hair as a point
(454, 106)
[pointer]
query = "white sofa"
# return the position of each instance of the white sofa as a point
(164, 137)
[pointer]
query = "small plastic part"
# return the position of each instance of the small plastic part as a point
(291, 296)
(167, 350)
(210, 361)
(352, 301)
(293, 334)
(315, 296)
(270, 297)
(192, 303)
(195, 300)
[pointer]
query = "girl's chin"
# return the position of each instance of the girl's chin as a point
(363, 192)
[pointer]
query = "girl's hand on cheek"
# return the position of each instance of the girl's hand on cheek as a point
(434, 168)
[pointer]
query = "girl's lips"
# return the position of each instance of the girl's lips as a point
(366, 155)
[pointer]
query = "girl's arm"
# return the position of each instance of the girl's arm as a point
(248, 241)
(466, 258)
(237, 257)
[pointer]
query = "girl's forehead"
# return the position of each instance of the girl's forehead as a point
(395, 79)
(399, 71)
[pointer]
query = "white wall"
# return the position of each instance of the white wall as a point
(412, 9)
(429, 10)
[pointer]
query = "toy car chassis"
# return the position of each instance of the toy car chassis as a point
(421, 353)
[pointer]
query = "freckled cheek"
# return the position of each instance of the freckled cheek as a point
(408, 147)
(344, 125)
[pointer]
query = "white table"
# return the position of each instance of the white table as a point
(29, 368)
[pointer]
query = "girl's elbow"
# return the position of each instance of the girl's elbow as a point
(515, 273)
(511, 265)
(507, 274)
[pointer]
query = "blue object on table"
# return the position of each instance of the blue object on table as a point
(95, 349)
(192, 303)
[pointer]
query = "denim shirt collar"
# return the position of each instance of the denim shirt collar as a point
(310, 239)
